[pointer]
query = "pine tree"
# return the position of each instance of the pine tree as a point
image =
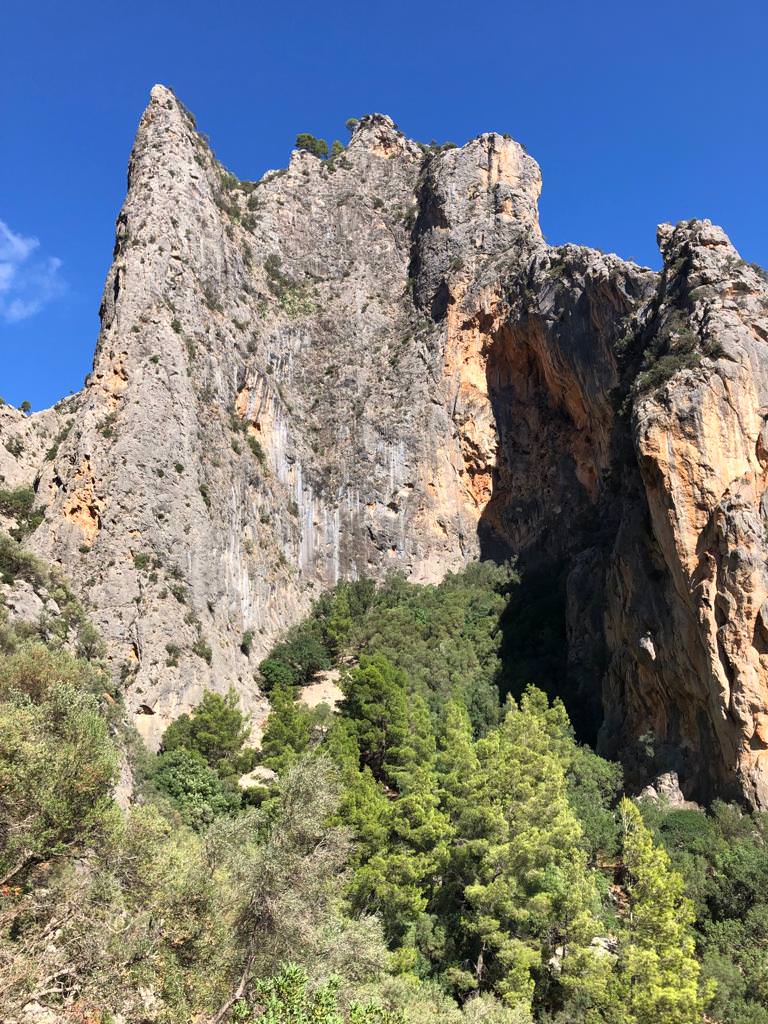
(533, 898)
(476, 823)
(339, 623)
(363, 806)
(287, 731)
(216, 729)
(375, 702)
(401, 878)
(658, 975)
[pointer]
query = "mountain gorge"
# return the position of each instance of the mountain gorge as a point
(375, 362)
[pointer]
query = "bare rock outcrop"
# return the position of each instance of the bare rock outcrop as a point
(376, 361)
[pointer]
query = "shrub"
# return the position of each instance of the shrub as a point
(255, 445)
(194, 788)
(53, 451)
(16, 563)
(34, 668)
(309, 144)
(288, 998)
(57, 768)
(216, 729)
(174, 652)
(202, 650)
(18, 504)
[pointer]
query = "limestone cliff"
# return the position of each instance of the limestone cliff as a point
(375, 362)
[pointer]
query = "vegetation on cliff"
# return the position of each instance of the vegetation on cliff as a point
(423, 854)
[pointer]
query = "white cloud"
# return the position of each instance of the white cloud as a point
(28, 281)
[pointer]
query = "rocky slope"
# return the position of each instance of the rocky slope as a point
(376, 362)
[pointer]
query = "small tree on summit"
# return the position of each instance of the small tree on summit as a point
(317, 147)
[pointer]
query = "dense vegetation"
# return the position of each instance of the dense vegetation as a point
(424, 854)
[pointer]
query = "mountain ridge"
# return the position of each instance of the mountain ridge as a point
(376, 362)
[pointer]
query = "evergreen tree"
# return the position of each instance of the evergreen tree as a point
(476, 822)
(658, 976)
(339, 624)
(363, 806)
(287, 731)
(216, 729)
(375, 702)
(401, 877)
(533, 898)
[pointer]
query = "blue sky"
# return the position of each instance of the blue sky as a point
(637, 112)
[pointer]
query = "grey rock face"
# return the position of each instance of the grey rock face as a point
(268, 410)
(376, 362)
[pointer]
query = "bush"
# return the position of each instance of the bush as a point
(216, 729)
(57, 768)
(34, 668)
(255, 445)
(288, 998)
(193, 787)
(294, 661)
(16, 563)
(19, 504)
(202, 649)
(308, 143)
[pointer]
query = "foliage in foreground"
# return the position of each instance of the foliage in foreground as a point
(424, 855)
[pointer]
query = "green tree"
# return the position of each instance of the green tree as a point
(363, 806)
(276, 671)
(658, 975)
(477, 823)
(287, 731)
(533, 894)
(194, 788)
(339, 624)
(216, 729)
(376, 704)
(399, 880)
(296, 659)
(317, 147)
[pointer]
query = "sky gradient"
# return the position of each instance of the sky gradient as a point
(637, 113)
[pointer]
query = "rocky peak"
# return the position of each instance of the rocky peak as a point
(376, 362)
(380, 134)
